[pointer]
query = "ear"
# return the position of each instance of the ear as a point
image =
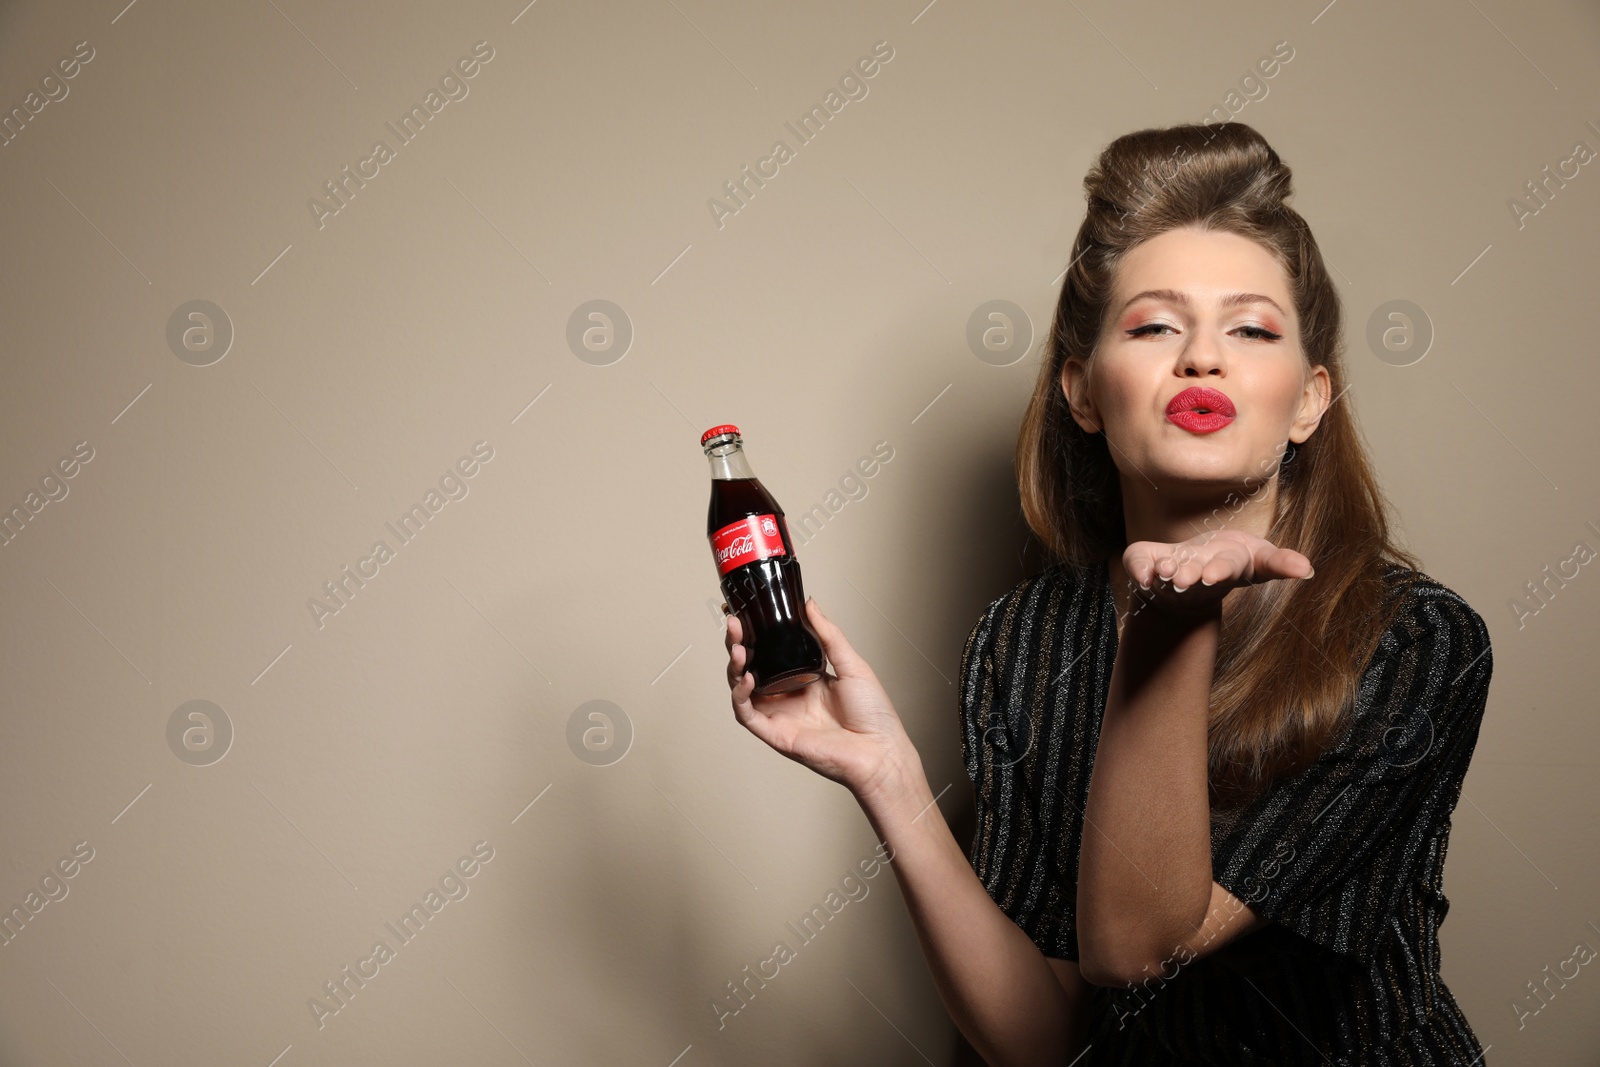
(1075, 387)
(1315, 400)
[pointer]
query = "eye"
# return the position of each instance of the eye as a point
(1254, 333)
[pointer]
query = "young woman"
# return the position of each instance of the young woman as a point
(1216, 746)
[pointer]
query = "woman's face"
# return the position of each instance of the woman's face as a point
(1196, 314)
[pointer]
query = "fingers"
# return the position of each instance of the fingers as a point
(1228, 562)
(741, 683)
(1262, 561)
(1150, 561)
(1186, 564)
(1191, 570)
(743, 709)
(1286, 563)
(1181, 564)
(1223, 559)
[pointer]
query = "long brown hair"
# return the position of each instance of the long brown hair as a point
(1291, 653)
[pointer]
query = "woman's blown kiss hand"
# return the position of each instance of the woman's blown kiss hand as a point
(1190, 578)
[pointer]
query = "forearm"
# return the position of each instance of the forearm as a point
(1144, 876)
(993, 979)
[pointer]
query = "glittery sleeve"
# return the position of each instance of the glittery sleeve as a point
(1332, 852)
(1018, 851)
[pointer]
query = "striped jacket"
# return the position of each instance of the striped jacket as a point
(1346, 857)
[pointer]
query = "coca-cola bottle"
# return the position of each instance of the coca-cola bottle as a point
(759, 572)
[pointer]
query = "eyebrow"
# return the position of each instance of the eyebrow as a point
(1228, 299)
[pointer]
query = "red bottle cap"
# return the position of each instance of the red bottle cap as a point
(726, 427)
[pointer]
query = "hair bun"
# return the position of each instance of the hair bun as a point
(1188, 171)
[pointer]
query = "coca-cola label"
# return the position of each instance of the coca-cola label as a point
(751, 538)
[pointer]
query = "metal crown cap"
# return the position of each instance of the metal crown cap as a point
(726, 427)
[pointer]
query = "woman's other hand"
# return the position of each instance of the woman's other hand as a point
(1191, 577)
(842, 726)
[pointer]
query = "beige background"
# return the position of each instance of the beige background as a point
(370, 754)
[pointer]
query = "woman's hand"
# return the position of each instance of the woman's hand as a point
(841, 726)
(1190, 578)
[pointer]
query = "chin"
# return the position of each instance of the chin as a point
(1220, 476)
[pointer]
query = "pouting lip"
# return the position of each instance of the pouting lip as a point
(1201, 397)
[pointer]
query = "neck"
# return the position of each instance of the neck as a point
(1175, 514)
(1172, 516)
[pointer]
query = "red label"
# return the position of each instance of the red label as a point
(749, 539)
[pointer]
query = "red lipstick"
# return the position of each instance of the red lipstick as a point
(1200, 410)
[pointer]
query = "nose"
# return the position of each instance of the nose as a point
(1202, 356)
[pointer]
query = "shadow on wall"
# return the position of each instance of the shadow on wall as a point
(986, 518)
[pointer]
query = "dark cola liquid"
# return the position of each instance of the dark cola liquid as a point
(782, 651)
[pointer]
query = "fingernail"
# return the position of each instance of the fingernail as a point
(1313, 574)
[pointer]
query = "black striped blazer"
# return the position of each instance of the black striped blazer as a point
(1346, 857)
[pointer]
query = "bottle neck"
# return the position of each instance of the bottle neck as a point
(728, 462)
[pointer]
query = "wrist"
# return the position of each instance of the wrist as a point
(1152, 612)
(898, 779)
